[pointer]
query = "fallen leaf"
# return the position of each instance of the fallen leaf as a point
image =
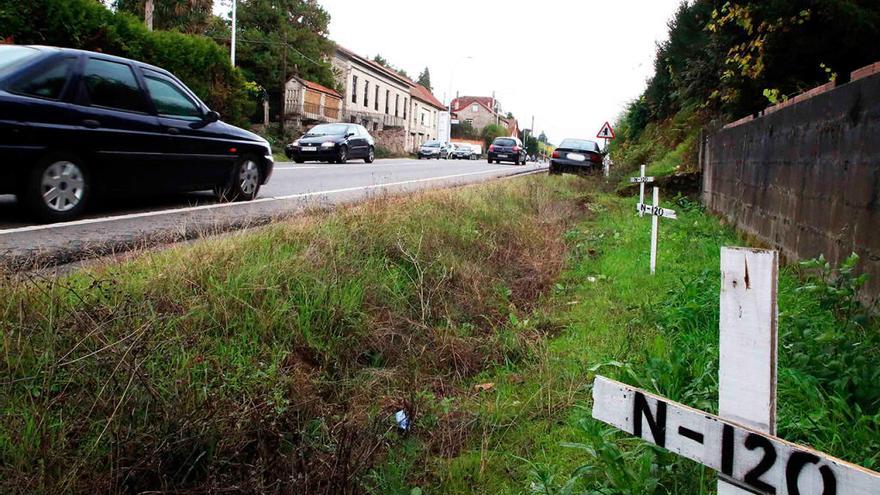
(484, 387)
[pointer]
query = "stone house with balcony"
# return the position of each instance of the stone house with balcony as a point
(374, 96)
(307, 103)
(425, 122)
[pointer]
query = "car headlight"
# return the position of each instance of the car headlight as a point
(295, 144)
(328, 144)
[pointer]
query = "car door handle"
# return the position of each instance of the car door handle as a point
(91, 124)
(173, 131)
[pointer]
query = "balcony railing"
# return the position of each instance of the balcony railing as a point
(367, 118)
(313, 111)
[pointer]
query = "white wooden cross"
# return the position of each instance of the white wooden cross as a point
(641, 180)
(656, 212)
(740, 442)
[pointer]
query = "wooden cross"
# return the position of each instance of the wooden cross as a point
(641, 180)
(740, 442)
(656, 212)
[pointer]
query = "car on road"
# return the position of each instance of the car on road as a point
(434, 149)
(580, 155)
(463, 152)
(77, 124)
(507, 149)
(333, 143)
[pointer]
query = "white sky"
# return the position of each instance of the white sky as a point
(576, 63)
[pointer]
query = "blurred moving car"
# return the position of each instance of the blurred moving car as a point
(333, 143)
(434, 149)
(507, 149)
(74, 124)
(580, 155)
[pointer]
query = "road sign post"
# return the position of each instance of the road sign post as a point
(641, 180)
(656, 213)
(606, 133)
(740, 442)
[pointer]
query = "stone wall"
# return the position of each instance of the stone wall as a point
(392, 138)
(804, 177)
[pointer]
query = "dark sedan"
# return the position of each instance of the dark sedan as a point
(335, 143)
(507, 149)
(580, 155)
(74, 124)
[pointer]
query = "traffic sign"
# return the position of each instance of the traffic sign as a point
(606, 132)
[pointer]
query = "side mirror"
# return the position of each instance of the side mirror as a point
(211, 117)
(349, 134)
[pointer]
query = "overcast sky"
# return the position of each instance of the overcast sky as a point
(573, 64)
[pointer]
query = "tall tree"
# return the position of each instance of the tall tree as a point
(186, 16)
(542, 137)
(425, 79)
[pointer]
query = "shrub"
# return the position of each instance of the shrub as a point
(199, 62)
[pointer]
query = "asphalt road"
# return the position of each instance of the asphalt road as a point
(122, 224)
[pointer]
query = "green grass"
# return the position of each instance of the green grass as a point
(660, 333)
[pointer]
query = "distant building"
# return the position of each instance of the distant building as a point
(479, 111)
(307, 103)
(374, 96)
(424, 125)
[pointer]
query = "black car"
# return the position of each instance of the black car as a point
(335, 143)
(434, 149)
(507, 149)
(463, 152)
(580, 155)
(74, 124)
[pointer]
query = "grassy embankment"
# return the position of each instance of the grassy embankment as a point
(274, 361)
(660, 333)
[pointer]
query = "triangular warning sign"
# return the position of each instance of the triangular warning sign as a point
(606, 133)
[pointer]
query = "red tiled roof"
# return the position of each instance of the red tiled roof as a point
(465, 101)
(321, 89)
(378, 67)
(422, 93)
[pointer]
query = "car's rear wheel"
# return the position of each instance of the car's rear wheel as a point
(57, 189)
(555, 170)
(244, 182)
(371, 156)
(343, 155)
(299, 160)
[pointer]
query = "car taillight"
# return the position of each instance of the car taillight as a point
(595, 158)
(491, 147)
(516, 149)
(556, 154)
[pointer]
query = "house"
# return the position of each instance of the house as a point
(425, 113)
(307, 103)
(374, 96)
(479, 111)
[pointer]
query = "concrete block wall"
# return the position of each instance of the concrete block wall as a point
(804, 178)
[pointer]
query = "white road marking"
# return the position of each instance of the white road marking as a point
(90, 221)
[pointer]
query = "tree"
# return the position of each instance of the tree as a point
(425, 79)
(379, 59)
(542, 137)
(532, 145)
(270, 30)
(186, 16)
(465, 130)
(492, 131)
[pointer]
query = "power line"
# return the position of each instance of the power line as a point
(278, 43)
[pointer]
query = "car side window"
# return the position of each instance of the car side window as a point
(170, 100)
(112, 85)
(47, 82)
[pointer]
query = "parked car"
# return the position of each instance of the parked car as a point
(336, 143)
(434, 149)
(461, 152)
(507, 149)
(75, 124)
(580, 155)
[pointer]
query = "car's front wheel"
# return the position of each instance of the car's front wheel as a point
(343, 155)
(57, 189)
(371, 156)
(244, 183)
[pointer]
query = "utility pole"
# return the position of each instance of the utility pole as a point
(232, 50)
(283, 85)
(148, 14)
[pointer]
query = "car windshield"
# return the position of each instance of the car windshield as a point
(328, 130)
(12, 55)
(579, 144)
(431, 144)
(505, 142)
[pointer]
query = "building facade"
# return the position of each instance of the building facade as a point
(307, 103)
(373, 96)
(425, 122)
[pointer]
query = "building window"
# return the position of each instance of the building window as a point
(475, 109)
(423, 119)
(470, 122)
(376, 103)
(354, 89)
(367, 94)
(396, 105)
(387, 101)
(404, 108)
